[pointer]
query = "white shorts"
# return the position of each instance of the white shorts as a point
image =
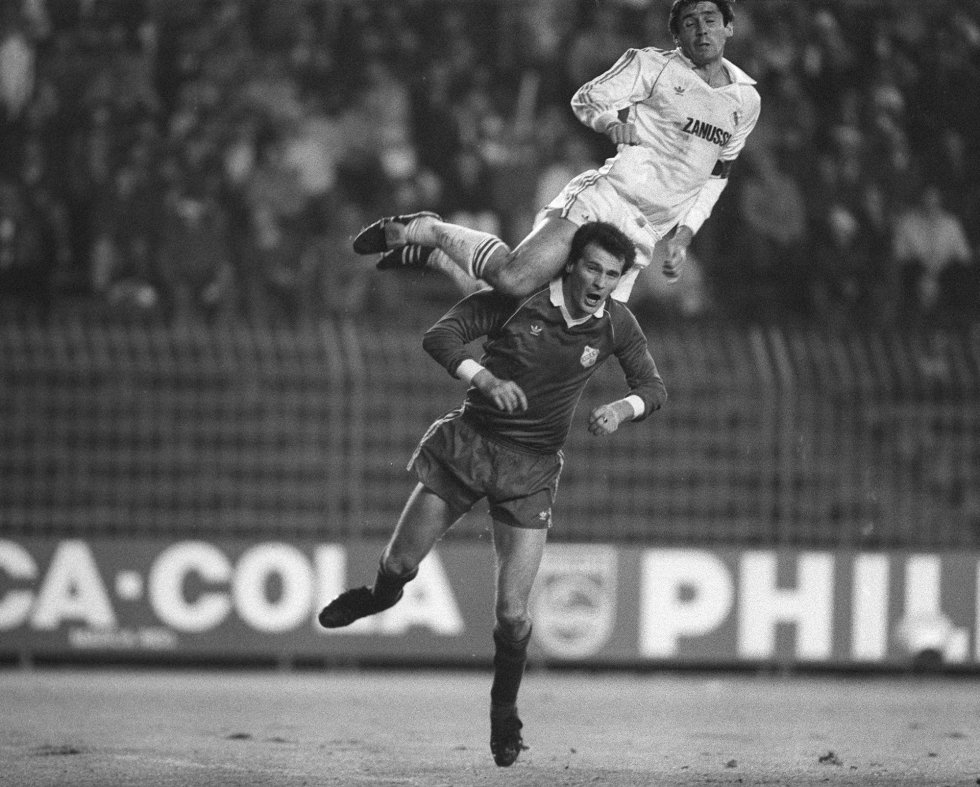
(589, 197)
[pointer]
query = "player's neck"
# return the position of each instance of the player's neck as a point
(714, 73)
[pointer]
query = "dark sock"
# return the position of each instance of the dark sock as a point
(509, 659)
(388, 586)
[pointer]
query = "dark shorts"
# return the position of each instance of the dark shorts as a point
(461, 466)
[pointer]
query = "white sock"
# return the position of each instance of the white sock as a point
(469, 249)
(420, 231)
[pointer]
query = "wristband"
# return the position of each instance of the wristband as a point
(635, 403)
(469, 369)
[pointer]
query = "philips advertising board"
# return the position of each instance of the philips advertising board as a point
(592, 603)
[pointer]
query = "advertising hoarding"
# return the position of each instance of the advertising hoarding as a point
(592, 603)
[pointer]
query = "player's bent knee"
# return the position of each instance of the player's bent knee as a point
(511, 275)
(517, 280)
(534, 263)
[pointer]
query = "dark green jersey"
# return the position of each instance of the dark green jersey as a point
(530, 342)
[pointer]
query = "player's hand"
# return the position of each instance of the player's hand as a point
(622, 134)
(606, 418)
(677, 253)
(505, 394)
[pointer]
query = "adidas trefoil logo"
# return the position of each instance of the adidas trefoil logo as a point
(679, 90)
(536, 329)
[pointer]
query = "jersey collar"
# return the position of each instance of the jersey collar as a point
(558, 301)
(739, 77)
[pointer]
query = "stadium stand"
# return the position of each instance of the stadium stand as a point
(283, 395)
(135, 130)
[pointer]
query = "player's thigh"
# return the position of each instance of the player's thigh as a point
(518, 557)
(424, 520)
(538, 258)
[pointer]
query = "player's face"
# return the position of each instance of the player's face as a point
(590, 280)
(702, 33)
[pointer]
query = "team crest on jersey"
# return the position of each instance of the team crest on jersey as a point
(536, 329)
(589, 356)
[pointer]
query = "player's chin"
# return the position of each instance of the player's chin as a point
(702, 54)
(591, 303)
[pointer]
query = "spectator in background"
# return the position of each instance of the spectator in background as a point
(874, 215)
(829, 59)
(131, 218)
(930, 246)
(42, 183)
(774, 234)
(842, 280)
(17, 64)
(345, 284)
(26, 258)
(597, 43)
(92, 165)
(536, 34)
(435, 132)
(955, 162)
(881, 89)
(387, 119)
(279, 268)
(195, 270)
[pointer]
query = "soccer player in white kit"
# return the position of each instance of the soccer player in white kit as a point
(679, 119)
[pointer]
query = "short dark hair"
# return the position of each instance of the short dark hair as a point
(607, 237)
(727, 8)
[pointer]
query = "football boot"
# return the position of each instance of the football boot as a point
(373, 239)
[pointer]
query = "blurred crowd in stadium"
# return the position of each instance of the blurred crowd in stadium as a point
(209, 160)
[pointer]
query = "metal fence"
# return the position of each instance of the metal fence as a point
(771, 436)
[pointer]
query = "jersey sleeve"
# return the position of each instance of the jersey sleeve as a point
(633, 353)
(479, 314)
(751, 109)
(705, 201)
(597, 103)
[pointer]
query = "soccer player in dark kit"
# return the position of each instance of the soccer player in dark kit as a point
(505, 442)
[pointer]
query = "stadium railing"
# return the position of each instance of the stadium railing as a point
(772, 436)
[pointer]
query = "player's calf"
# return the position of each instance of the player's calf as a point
(509, 659)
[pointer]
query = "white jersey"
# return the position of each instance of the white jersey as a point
(689, 133)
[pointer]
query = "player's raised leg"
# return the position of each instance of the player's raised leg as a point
(518, 552)
(423, 521)
(424, 240)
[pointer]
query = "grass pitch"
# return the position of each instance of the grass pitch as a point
(337, 727)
